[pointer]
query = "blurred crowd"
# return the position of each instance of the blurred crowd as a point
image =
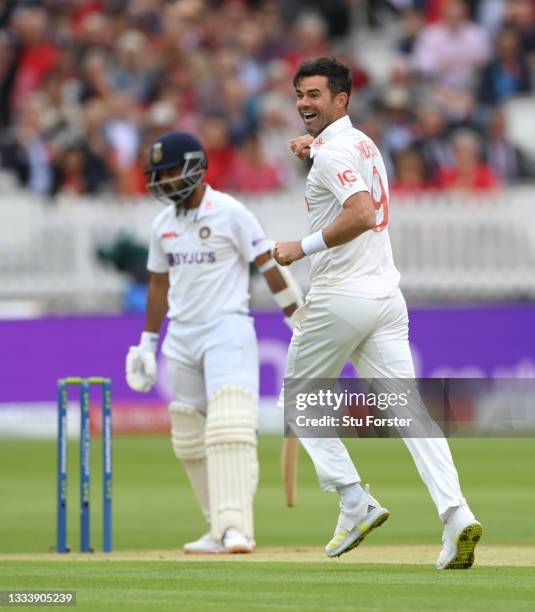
(87, 85)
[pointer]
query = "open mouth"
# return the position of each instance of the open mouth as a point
(309, 116)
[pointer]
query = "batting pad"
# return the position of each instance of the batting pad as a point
(232, 459)
(187, 437)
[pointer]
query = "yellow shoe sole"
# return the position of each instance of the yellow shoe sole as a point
(467, 541)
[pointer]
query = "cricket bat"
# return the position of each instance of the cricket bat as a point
(289, 462)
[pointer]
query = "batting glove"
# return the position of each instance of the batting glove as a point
(141, 368)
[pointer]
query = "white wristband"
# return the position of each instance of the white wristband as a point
(313, 243)
(149, 341)
(270, 263)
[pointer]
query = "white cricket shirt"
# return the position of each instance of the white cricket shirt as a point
(346, 161)
(206, 252)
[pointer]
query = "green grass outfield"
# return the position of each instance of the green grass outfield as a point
(154, 513)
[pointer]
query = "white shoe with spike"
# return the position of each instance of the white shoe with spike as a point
(354, 524)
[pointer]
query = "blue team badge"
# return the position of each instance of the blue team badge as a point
(205, 233)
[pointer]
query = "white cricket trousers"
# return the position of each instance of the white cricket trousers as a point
(203, 357)
(373, 334)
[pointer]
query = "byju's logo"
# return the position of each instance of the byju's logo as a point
(180, 259)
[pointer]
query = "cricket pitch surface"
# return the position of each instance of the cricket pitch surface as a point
(395, 555)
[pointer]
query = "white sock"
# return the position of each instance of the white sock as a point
(351, 494)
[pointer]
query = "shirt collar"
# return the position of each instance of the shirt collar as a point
(207, 203)
(328, 133)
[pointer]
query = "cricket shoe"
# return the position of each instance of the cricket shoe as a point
(206, 545)
(235, 541)
(462, 533)
(355, 524)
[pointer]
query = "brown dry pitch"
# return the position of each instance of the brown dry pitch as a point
(412, 555)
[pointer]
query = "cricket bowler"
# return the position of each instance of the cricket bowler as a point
(201, 246)
(355, 310)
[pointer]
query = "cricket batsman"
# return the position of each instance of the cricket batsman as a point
(201, 245)
(355, 310)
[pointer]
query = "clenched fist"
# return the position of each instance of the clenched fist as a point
(286, 253)
(300, 146)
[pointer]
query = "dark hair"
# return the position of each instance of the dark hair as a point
(338, 75)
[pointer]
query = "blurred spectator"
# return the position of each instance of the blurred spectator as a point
(411, 173)
(337, 15)
(490, 14)
(250, 70)
(309, 39)
(238, 109)
(161, 117)
(434, 9)
(412, 23)
(521, 15)
(86, 86)
(220, 152)
(36, 54)
(377, 11)
(468, 172)
(508, 73)
(8, 71)
(450, 51)
(122, 136)
(278, 125)
(271, 17)
(25, 150)
(251, 172)
(95, 76)
(144, 16)
(91, 28)
(510, 163)
(131, 71)
(398, 119)
(431, 139)
(77, 171)
(95, 114)
(397, 103)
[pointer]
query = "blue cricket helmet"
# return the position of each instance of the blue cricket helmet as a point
(180, 150)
